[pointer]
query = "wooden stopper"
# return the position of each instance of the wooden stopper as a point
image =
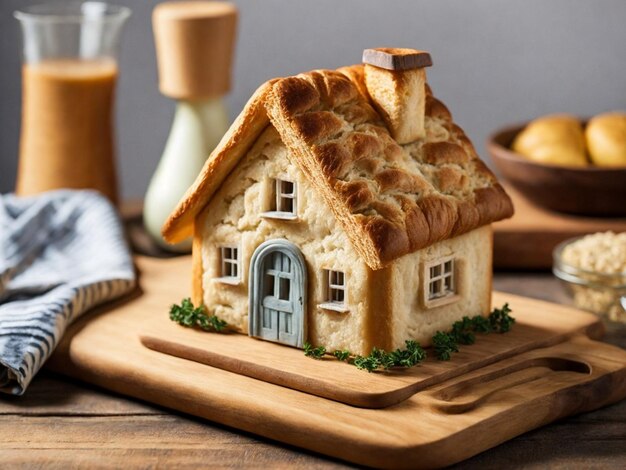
(391, 58)
(194, 45)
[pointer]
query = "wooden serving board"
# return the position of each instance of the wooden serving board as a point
(502, 386)
(538, 327)
(527, 239)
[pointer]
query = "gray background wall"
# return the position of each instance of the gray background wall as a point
(495, 62)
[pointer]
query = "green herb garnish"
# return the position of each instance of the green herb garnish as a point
(500, 320)
(463, 331)
(342, 354)
(315, 353)
(481, 324)
(377, 359)
(187, 315)
(444, 344)
(412, 355)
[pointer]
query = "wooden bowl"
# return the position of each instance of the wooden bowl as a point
(591, 190)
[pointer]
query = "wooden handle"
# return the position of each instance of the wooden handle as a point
(577, 362)
(194, 44)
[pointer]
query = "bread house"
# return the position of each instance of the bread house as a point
(344, 208)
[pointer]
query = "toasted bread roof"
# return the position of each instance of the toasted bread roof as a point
(390, 199)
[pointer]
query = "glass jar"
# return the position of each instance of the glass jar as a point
(597, 292)
(68, 88)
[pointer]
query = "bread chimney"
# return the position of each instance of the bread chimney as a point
(396, 81)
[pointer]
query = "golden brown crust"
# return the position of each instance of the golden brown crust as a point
(233, 146)
(356, 74)
(390, 199)
(437, 153)
(197, 270)
(378, 323)
(197, 265)
(399, 97)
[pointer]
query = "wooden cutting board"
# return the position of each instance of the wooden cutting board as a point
(526, 240)
(338, 381)
(502, 386)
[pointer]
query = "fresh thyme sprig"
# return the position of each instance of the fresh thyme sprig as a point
(315, 353)
(498, 321)
(377, 359)
(342, 354)
(444, 343)
(410, 356)
(187, 315)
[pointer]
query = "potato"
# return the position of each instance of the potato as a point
(606, 139)
(556, 139)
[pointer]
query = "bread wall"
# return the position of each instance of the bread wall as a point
(233, 217)
(410, 318)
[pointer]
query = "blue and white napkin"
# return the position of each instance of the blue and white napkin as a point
(61, 253)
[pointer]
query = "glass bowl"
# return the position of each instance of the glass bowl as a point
(600, 293)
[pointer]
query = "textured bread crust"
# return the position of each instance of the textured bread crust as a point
(399, 97)
(197, 270)
(378, 326)
(356, 74)
(197, 266)
(233, 146)
(390, 199)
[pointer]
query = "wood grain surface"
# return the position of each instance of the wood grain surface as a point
(44, 427)
(526, 241)
(488, 406)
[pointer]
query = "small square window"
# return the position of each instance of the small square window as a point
(229, 262)
(440, 282)
(335, 287)
(284, 199)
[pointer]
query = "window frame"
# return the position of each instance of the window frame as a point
(445, 295)
(278, 199)
(232, 262)
(330, 289)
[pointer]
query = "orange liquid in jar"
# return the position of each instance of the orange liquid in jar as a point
(67, 127)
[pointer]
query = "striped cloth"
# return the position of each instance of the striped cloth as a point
(61, 253)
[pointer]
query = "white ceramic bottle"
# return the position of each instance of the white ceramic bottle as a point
(194, 44)
(196, 131)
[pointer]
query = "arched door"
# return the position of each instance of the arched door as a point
(278, 286)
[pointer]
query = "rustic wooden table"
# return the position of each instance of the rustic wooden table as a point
(61, 423)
